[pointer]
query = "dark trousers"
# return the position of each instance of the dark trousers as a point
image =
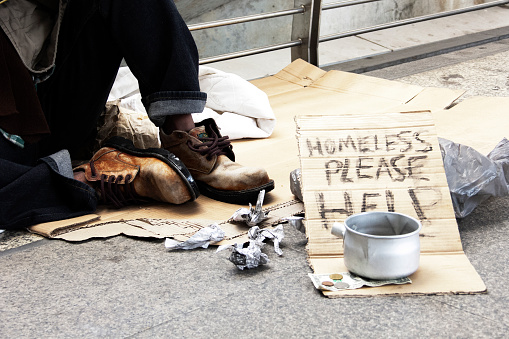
(94, 38)
(95, 35)
(32, 194)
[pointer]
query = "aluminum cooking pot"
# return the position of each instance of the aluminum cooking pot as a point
(380, 245)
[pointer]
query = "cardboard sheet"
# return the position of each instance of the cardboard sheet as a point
(388, 162)
(144, 223)
(303, 89)
(478, 122)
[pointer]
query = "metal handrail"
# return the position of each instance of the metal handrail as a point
(340, 4)
(412, 20)
(314, 8)
(247, 18)
(271, 15)
(252, 51)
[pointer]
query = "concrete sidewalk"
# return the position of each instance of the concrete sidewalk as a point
(123, 287)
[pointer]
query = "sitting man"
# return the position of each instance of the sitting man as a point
(52, 53)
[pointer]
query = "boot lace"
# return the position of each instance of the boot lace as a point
(113, 191)
(211, 145)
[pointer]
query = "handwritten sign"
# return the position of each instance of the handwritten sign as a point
(374, 162)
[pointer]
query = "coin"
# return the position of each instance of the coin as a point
(327, 283)
(341, 285)
(336, 276)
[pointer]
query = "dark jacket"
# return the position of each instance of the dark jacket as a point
(28, 42)
(32, 26)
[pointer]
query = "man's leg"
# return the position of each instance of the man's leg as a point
(91, 46)
(40, 193)
(95, 35)
(74, 96)
(32, 191)
(161, 53)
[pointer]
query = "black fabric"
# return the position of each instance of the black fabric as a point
(39, 193)
(95, 36)
(20, 110)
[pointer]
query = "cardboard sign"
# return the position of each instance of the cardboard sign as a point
(364, 162)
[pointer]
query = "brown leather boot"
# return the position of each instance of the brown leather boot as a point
(123, 174)
(210, 159)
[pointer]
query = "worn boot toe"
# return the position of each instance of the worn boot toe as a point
(211, 161)
(123, 174)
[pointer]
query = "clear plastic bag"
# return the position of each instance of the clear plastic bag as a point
(473, 177)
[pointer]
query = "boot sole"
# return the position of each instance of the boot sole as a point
(165, 156)
(243, 197)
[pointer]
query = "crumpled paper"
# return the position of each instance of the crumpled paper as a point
(247, 257)
(259, 235)
(251, 216)
(202, 238)
(128, 119)
(249, 254)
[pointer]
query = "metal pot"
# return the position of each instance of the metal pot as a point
(380, 245)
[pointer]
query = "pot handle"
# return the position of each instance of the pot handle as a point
(338, 229)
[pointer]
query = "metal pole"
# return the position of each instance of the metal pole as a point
(248, 52)
(306, 28)
(243, 19)
(345, 4)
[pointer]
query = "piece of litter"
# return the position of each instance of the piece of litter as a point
(276, 235)
(350, 281)
(202, 238)
(473, 177)
(295, 185)
(249, 254)
(251, 216)
(248, 257)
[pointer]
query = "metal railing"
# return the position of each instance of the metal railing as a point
(306, 27)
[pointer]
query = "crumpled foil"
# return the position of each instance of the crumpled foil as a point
(295, 184)
(247, 257)
(259, 235)
(251, 216)
(202, 238)
(249, 254)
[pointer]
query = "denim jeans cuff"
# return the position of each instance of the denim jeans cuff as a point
(60, 162)
(162, 104)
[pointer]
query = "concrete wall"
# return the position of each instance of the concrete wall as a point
(233, 38)
(272, 31)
